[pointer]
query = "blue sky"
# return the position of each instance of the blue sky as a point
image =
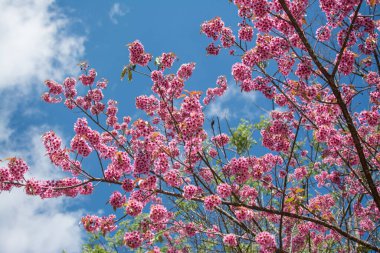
(45, 39)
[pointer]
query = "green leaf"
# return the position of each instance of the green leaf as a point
(129, 74)
(123, 72)
(241, 137)
(157, 61)
(262, 64)
(289, 200)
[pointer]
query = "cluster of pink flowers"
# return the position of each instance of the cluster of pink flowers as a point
(245, 32)
(346, 65)
(212, 201)
(190, 229)
(158, 213)
(149, 183)
(323, 33)
(248, 193)
(88, 79)
(137, 54)
(17, 168)
(238, 168)
(227, 37)
(206, 174)
(266, 241)
(264, 24)
(241, 72)
(220, 140)
(230, 240)
(215, 29)
(70, 92)
(244, 214)
(342, 34)
(133, 239)
(250, 58)
(224, 190)
(190, 191)
(70, 187)
(119, 166)
(304, 69)
(133, 207)
(128, 185)
(300, 172)
(80, 145)
(186, 70)
(218, 91)
(166, 60)
(322, 203)
(14, 172)
(68, 89)
(276, 136)
(93, 223)
(111, 113)
(117, 200)
(285, 64)
(148, 104)
(54, 90)
(211, 49)
(173, 178)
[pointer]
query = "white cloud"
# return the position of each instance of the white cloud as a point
(30, 224)
(233, 104)
(117, 10)
(35, 43)
(5, 114)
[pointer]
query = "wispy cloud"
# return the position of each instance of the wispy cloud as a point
(233, 104)
(117, 10)
(35, 44)
(30, 224)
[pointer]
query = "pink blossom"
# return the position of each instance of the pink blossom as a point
(224, 190)
(133, 207)
(211, 202)
(189, 191)
(230, 240)
(220, 140)
(246, 33)
(266, 241)
(186, 70)
(117, 200)
(212, 28)
(158, 213)
(300, 172)
(241, 72)
(17, 168)
(133, 239)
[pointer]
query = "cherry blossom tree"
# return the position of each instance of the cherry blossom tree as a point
(180, 188)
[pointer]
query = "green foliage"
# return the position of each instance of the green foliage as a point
(241, 137)
(187, 205)
(362, 249)
(111, 243)
(94, 249)
(263, 64)
(127, 69)
(262, 124)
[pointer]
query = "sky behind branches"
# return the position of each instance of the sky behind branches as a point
(45, 39)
